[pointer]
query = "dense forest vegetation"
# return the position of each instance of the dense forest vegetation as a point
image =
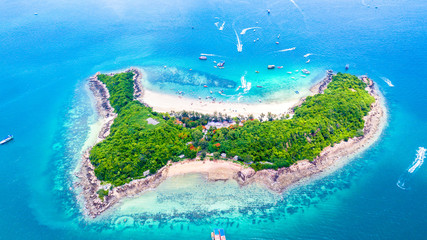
(135, 146)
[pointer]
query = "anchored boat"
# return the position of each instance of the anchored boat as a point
(9, 138)
(305, 71)
(221, 64)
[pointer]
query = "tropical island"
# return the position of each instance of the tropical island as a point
(138, 148)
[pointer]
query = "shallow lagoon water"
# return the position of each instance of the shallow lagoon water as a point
(46, 58)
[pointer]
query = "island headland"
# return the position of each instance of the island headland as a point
(97, 196)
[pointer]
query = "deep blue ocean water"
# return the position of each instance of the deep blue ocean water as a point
(45, 60)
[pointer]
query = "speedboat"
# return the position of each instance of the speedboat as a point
(203, 57)
(7, 139)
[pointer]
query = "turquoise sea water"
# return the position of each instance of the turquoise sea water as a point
(45, 60)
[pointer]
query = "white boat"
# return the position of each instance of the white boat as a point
(7, 139)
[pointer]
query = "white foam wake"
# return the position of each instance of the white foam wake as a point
(246, 86)
(287, 49)
(308, 54)
(209, 55)
(243, 81)
(246, 29)
(403, 180)
(299, 9)
(386, 80)
(239, 44)
(221, 27)
(419, 160)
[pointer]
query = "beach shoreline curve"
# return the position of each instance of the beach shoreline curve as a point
(276, 180)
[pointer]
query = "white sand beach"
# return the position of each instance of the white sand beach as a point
(165, 103)
(215, 170)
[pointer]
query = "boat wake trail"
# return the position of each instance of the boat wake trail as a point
(299, 9)
(386, 80)
(246, 86)
(209, 55)
(416, 164)
(239, 44)
(220, 27)
(287, 49)
(246, 29)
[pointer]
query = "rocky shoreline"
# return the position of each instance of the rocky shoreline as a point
(88, 182)
(277, 181)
